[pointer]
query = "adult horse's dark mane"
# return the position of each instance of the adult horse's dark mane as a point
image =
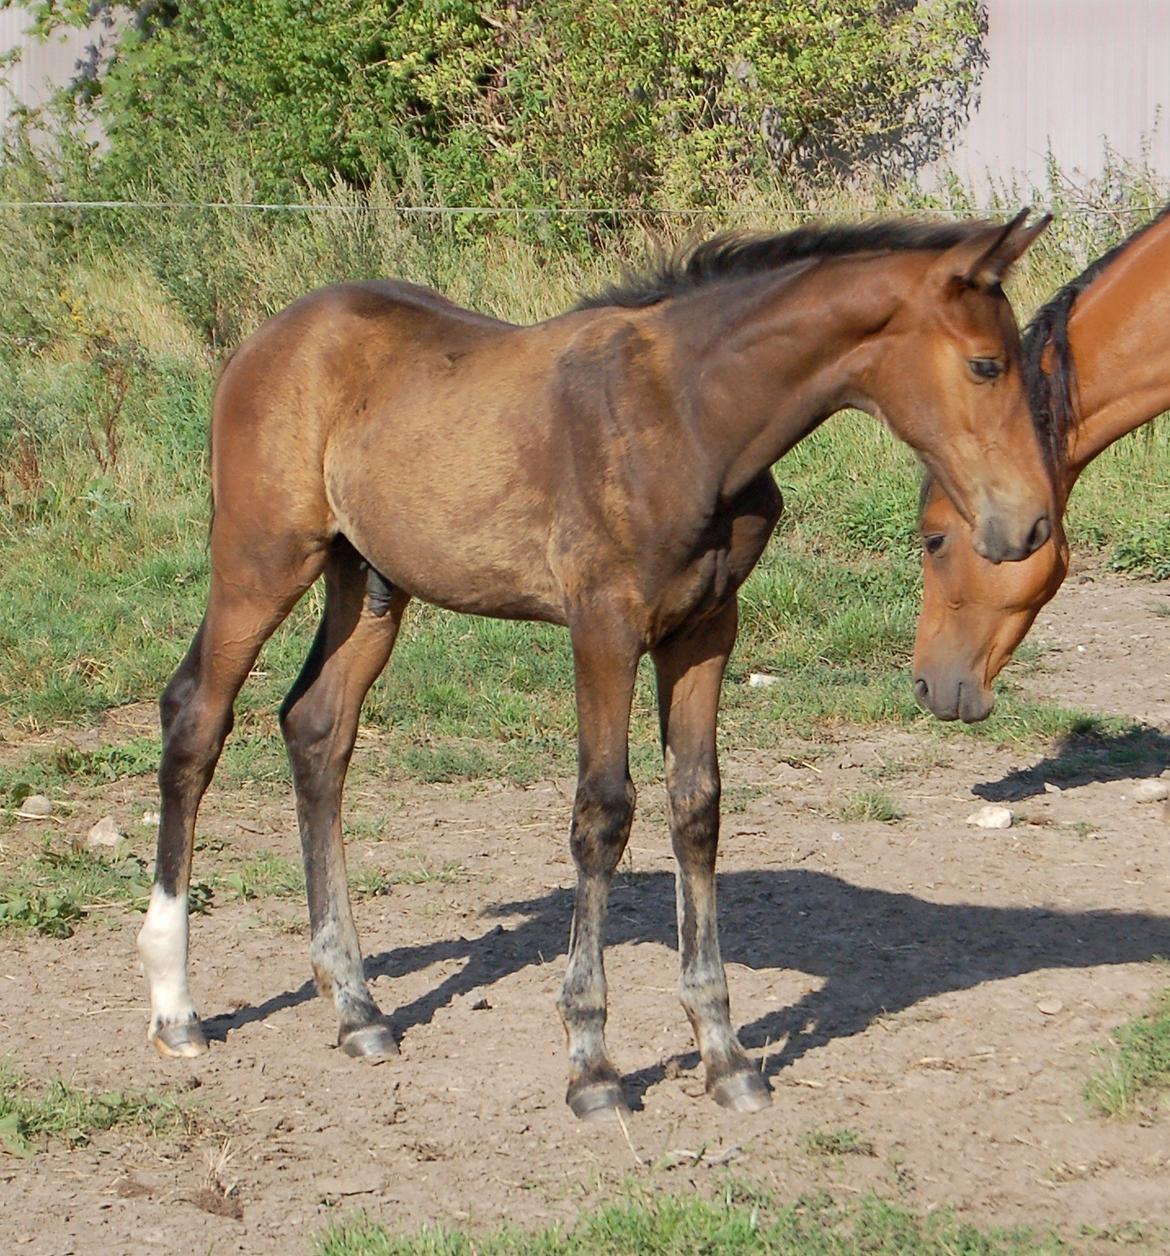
(736, 254)
(1050, 392)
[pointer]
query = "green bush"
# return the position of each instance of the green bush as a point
(594, 102)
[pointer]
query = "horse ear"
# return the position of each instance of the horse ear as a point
(982, 263)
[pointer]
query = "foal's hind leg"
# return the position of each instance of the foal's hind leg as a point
(690, 672)
(243, 609)
(602, 813)
(320, 719)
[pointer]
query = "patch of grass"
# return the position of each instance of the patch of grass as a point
(103, 576)
(55, 890)
(48, 771)
(32, 1115)
(266, 875)
(371, 882)
(1138, 1067)
(842, 1142)
(271, 875)
(869, 804)
(663, 1225)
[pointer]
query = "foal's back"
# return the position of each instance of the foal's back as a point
(440, 442)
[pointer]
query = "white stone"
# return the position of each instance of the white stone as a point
(1152, 790)
(104, 834)
(761, 680)
(1050, 1006)
(35, 807)
(991, 817)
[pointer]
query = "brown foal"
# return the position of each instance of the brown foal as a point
(607, 470)
(1097, 360)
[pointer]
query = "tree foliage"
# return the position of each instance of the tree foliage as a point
(594, 102)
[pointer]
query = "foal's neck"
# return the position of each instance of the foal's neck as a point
(1117, 341)
(764, 361)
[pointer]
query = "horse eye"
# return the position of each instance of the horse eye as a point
(933, 543)
(986, 368)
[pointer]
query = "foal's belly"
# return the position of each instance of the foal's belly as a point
(452, 541)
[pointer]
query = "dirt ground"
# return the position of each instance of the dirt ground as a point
(938, 989)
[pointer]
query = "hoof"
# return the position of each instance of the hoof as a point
(374, 1042)
(742, 1092)
(181, 1040)
(597, 1101)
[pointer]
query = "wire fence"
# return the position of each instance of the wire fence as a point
(549, 211)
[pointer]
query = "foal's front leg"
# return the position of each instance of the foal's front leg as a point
(690, 673)
(602, 812)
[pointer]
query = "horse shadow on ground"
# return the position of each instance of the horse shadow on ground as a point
(1085, 755)
(875, 952)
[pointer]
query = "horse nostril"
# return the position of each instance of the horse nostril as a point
(921, 690)
(1041, 531)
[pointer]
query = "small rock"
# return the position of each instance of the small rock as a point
(476, 1001)
(1144, 791)
(1050, 1006)
(35, 807)
(105, 834)
(991, 817)
(761, 680)
(150, 819)
(1049, 788)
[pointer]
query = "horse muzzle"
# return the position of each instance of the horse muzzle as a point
(954, 697)
(997, 540)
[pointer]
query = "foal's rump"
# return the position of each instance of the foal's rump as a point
(414, 428)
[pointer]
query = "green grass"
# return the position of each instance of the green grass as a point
(103, 556)
(53, 891)
(270, 875)
(842, 1142)
(32, 1115)
(870, 804)
(668, 1226)
(1137, 1071)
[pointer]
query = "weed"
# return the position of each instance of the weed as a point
(1138, 1066)
(842, 1142)
(31, 1115)
(869, 804)
(663, 1225)
(54, 890)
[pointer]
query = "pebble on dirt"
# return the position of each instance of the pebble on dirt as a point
(761, 680)
(1152, 790)
(991, 817)
(105, 834)
(35, 807)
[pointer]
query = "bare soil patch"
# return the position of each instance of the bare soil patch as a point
(935, 989)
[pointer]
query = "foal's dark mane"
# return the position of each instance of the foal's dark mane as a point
(1050, 393)
(736, 254)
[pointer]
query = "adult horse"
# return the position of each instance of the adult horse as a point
(1097, 362)
(607, 470)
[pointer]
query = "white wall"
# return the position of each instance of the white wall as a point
(1069, 75)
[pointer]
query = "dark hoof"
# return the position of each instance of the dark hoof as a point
(182, 1040)
(597, 1100)
(742, 1092)
(374, 1042)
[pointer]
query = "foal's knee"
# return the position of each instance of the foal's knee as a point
(191, 740)
(602, 813)
(694, 807)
